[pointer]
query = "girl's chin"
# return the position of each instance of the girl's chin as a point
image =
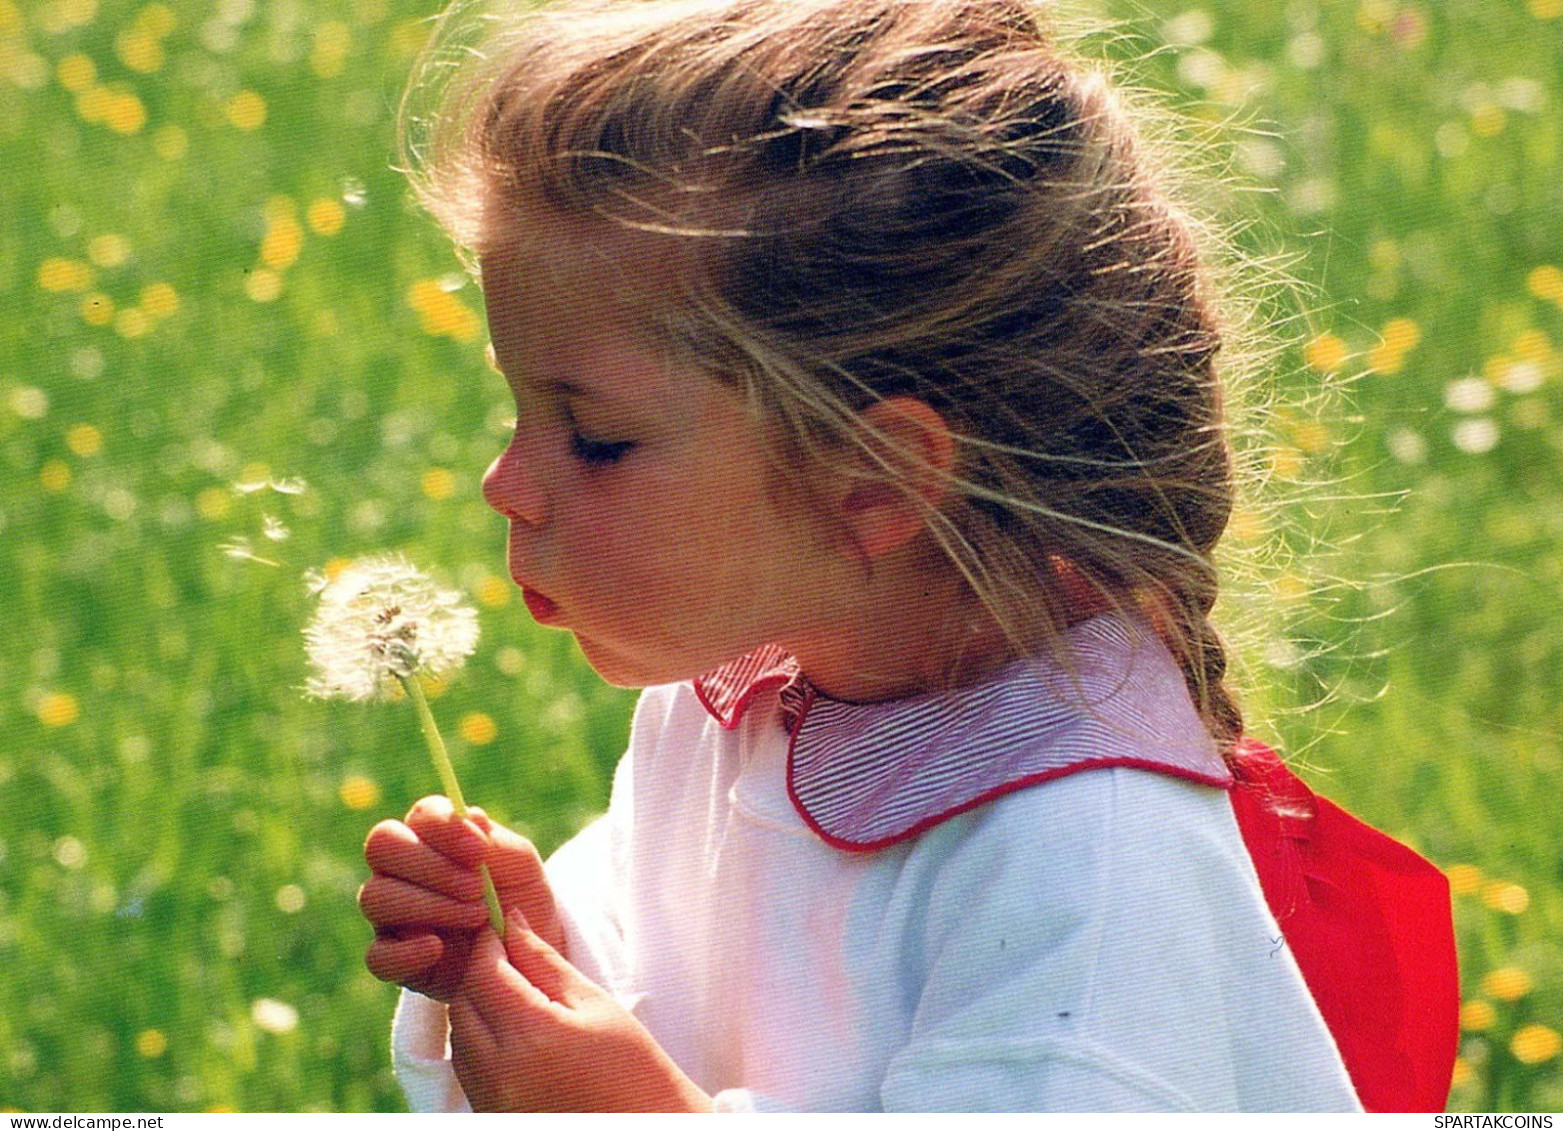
(615, 669)
(620, 670)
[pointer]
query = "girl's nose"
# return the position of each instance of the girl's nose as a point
(511, 490)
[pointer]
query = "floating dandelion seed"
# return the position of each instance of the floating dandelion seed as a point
(240, 550)
(383, 623)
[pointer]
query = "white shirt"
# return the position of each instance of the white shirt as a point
(847, 916)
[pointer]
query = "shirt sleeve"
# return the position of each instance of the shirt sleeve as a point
(420, 1055)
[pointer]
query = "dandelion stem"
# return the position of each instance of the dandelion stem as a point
(447, 772)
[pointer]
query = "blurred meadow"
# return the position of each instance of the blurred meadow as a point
(228, 336)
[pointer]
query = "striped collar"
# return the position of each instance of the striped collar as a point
(868, 775)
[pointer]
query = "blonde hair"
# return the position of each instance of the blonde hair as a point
(927, 198)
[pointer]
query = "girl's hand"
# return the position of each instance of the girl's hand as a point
(424, 897)
(529, 1032)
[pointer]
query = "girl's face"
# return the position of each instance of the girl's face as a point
(635, 489)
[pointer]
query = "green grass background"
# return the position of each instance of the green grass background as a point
(180, 829)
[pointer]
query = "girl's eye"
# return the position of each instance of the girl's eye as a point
(599, 453)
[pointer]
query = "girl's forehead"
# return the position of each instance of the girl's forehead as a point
(549, 246)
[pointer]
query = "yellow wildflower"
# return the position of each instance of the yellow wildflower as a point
(494, 592)
(1464, 879)
(1535, 1044)
(1464, 1075)
(441, 313)
(84, 440)
(1500, 895)
(1507, 983)
(333, 39)
(151, 1043)
(408, 38)
(213, 504)
(1373, 16)
(66, 14)
(1383, 359)
(140, 51)
(59, 275)
(1326, 353)
(1546, 9)
(108, 250)
(282, 243)
(54, 476)
(263, 285)
(1533, 345)
(1311, 436)
(1286, 463)
(325, 217)
(58, 709)
(1401, 334)
(76, 73)
(1289, 588)
(156, 20)
(124, 113)
(477, 728)
(1546, 281)
(1478, 1016)
(1488, 119)
(92, 104)
(159, 300)
(246, 110)
(358, 792)
(438, 483)
(97, 309)
(133, 322)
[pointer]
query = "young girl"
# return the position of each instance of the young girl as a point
(868, 417)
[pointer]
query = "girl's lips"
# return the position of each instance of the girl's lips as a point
(541, 608)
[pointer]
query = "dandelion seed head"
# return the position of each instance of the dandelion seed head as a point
(381, 619)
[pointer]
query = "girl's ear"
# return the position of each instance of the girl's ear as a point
(914, 446)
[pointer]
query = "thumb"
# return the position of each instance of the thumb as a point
(542, 965)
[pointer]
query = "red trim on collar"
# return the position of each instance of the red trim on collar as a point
(1013, 786)
(727, 691)
(867, 776)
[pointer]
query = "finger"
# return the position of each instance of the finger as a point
(541, 965)
(389, 902)
(435, 821)
(401, 959)
(505, 1001)
(517, 869)
(393, 849)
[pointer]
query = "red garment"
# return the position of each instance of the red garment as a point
(1370, 925)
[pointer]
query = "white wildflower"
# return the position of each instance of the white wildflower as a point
(1469, 394)
(273, 1016)
(1476, 435)
(381, 620)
